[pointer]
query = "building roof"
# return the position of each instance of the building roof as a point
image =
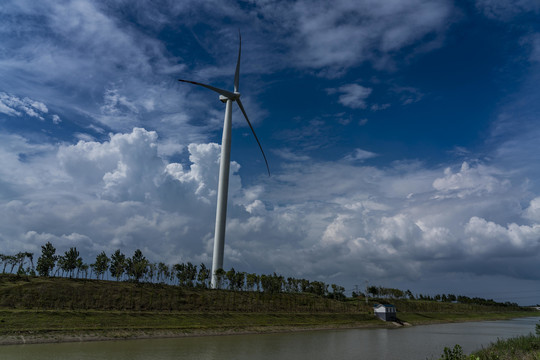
(384, 305)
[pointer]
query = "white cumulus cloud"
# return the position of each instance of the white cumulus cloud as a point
(489, 239)
(468, 181)
(352, 95)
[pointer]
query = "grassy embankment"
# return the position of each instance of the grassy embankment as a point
(525, 347)
(52, 309)
(519, 348)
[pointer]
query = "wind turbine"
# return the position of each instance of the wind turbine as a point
(223, 184)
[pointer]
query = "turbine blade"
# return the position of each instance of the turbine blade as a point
(237, 72)
(253, 131)
(225, 93)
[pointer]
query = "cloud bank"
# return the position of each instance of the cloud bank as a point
(397, 222)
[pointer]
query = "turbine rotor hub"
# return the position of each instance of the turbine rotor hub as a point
(223, 98)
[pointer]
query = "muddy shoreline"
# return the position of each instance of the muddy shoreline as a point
(59, 335)
(136, 334)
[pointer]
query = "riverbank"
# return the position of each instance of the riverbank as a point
(525, 347)
(28, 326)
(38, 326)
(426, 318)
(38, 309)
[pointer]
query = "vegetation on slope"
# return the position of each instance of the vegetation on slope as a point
(23, 292)
(56, 308)
(38, 308)
(64, 295)
(46, 293)
(138, 269)
(518, 348)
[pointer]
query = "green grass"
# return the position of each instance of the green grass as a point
(34, 306)
(77, 294)
(525, 347)
(446, 317)
(30, 321)
(37, 321)
(518, 348)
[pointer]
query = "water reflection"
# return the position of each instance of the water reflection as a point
(419, 342)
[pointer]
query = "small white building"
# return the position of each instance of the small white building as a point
(385, 312)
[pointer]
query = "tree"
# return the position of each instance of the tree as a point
(82, 267)
(409, 294)
(22, 256)
(338, 292)
(191, 274)
(266, 284)
(373, 290)
(235, 279)
(292, 285)
(69, 261)
(137, 265)
(60, 265)
(304, 285)
(20, 259)
(118, 264)
(152, 271)
(13, 261)
(230, 276)
(163, 272)
(318, 288)
(397, 293)
(251, 281)
(3, 258)
(101, 265)
(47, 260)
(272, 284)
(203, 276)
(180, 273)
(171, 274)
(239, 280)
(30, 257)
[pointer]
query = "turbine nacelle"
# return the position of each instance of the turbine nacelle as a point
(224, 98)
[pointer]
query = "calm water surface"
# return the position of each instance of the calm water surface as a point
(419, 342)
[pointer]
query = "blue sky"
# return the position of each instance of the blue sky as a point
(401, 137)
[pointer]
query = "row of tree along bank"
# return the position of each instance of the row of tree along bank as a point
(137, 270)
(391, 293)
(22, 292)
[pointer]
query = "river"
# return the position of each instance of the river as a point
(417, 342)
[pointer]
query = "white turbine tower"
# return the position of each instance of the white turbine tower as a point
(223, 185)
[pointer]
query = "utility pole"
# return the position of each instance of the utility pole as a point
(357, 295)
(367, 283)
